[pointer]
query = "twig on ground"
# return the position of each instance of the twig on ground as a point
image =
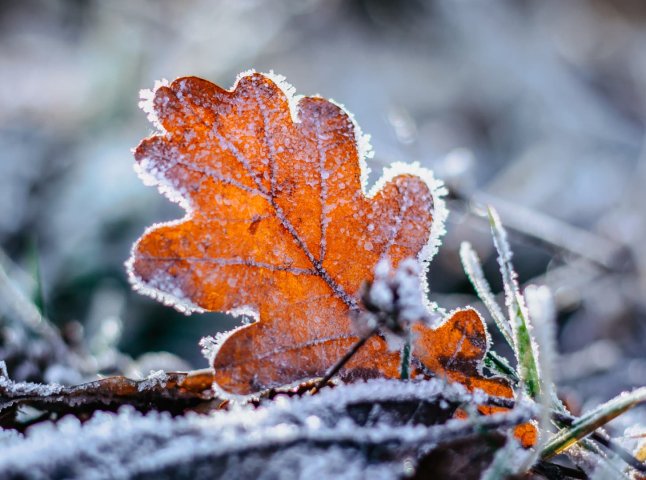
(593, 420)
(343, 360)
(566, 420)
(173, 391)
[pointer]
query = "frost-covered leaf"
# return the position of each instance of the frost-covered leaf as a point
(172, 391)
(456, 349)
(378, 429)
(279, 226)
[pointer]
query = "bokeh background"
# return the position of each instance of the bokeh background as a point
(535, 107)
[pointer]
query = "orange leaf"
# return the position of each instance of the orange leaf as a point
(279, 226)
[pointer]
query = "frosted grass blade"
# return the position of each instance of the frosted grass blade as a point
(519, 319)
(589, 422)
(473, 268)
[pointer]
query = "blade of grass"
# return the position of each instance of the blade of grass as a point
(500, 366)
(34, 260)
(473, 268)
(404, 369)
(593, 420)
(524, 346)
(17, 308)
(541, 309)
(519, 319)
(564, 419)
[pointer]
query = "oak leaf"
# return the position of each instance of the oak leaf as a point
(279, 226)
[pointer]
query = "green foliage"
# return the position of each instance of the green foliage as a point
(530, 333)
(518, 317)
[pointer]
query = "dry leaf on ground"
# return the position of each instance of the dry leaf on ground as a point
(279, 226)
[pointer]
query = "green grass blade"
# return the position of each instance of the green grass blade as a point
(404, 368)
(500, 366)
(542, 311)
(473, 268)
(519, 319)
(589, 422)
(34, 261)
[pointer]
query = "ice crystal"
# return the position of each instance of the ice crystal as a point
(329, 435)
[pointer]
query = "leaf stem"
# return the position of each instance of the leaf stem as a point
(589, 422)
(404, 369)
(343, 360)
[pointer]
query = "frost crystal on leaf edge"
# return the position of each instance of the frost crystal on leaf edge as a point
(178, 300)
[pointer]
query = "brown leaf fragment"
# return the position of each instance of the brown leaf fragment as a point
(171, 391)
(455, 350)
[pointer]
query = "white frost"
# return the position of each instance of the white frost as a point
(17, 389)
(155, 379)
(166, 288)
(440, 212)
(399, 299)
(146, 103)
(322, 436)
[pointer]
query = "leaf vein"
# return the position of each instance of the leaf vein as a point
(394, 231)
(235, 261)
(318, 267)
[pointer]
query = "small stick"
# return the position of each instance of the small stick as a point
(343, 360)
(404, 371)
(567, 420)
(606, 442)
(618, 450)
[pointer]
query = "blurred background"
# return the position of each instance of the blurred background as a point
(537, 108)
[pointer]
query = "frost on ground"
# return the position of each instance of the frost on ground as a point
(378, 429)
(26, 388)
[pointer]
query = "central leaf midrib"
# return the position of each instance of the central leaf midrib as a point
(317, 264)
(336, 288)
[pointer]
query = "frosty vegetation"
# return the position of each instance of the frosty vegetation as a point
(379, 429)
(280, 226)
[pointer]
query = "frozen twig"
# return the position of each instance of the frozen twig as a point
(173, 391)
(321, 436)
(591, 421)
(344, 359)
